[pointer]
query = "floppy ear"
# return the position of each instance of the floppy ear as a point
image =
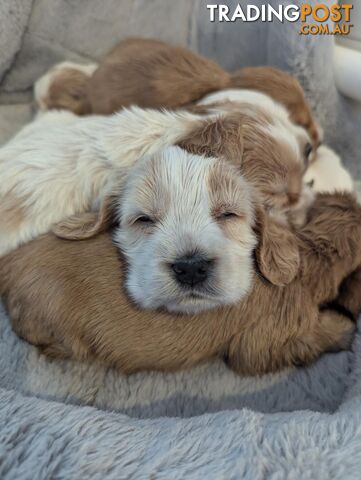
(88, 224)
(277, 253)
(217, 137)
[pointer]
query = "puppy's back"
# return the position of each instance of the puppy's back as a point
(151, 73)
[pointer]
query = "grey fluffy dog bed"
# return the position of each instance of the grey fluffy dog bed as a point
(67, 420)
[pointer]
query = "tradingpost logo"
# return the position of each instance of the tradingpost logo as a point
(314, 19)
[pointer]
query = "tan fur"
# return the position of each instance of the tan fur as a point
(264, 161)
(283, 88)
(68, 91)
(151, 73)
(67, 298)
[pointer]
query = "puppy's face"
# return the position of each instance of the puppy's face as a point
(186, 232)
(282, 155)
(257, 136)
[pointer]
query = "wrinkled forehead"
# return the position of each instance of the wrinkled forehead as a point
(179, 181)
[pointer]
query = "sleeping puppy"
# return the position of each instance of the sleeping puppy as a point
(81, 311)
(61, 164)
(187, 231)
(151, 73)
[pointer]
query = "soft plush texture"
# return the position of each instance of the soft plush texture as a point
(68, 421)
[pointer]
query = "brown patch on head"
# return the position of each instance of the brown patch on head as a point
(282, 87)
(230, 199)
(228, 192)
(268, 163)
(146, 193)
(69, 90)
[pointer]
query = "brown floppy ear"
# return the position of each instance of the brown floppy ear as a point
(88, 224)
(277, 253)
(217, 137)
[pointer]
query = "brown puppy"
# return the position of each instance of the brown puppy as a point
(72, 307)
(151, 73)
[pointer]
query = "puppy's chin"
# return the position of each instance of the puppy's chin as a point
(191, 305)
(188, 304)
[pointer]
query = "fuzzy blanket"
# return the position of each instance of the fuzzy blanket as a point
(68, 420)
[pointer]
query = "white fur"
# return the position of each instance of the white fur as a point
(177, 195)
(327, 173)
(42, 85)
(62, 164)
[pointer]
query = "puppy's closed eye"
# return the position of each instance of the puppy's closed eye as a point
(143, 221)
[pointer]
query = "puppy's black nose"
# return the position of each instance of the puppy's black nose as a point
(191, 270)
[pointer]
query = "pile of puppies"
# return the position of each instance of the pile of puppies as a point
(196, 195)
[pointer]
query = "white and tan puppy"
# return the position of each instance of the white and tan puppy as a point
(190, 228)
(282, 127)
(61, 165)
(186, 230)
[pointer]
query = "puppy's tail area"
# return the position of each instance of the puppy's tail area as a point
(135, 132)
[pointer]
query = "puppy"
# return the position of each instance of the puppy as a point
(80, 310)
(151, 73)
(186, 229)
(62, 165)
(273, 153)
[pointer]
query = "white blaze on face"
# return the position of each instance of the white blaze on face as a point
(186, 231)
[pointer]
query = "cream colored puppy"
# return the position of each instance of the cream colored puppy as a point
(61, 165)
